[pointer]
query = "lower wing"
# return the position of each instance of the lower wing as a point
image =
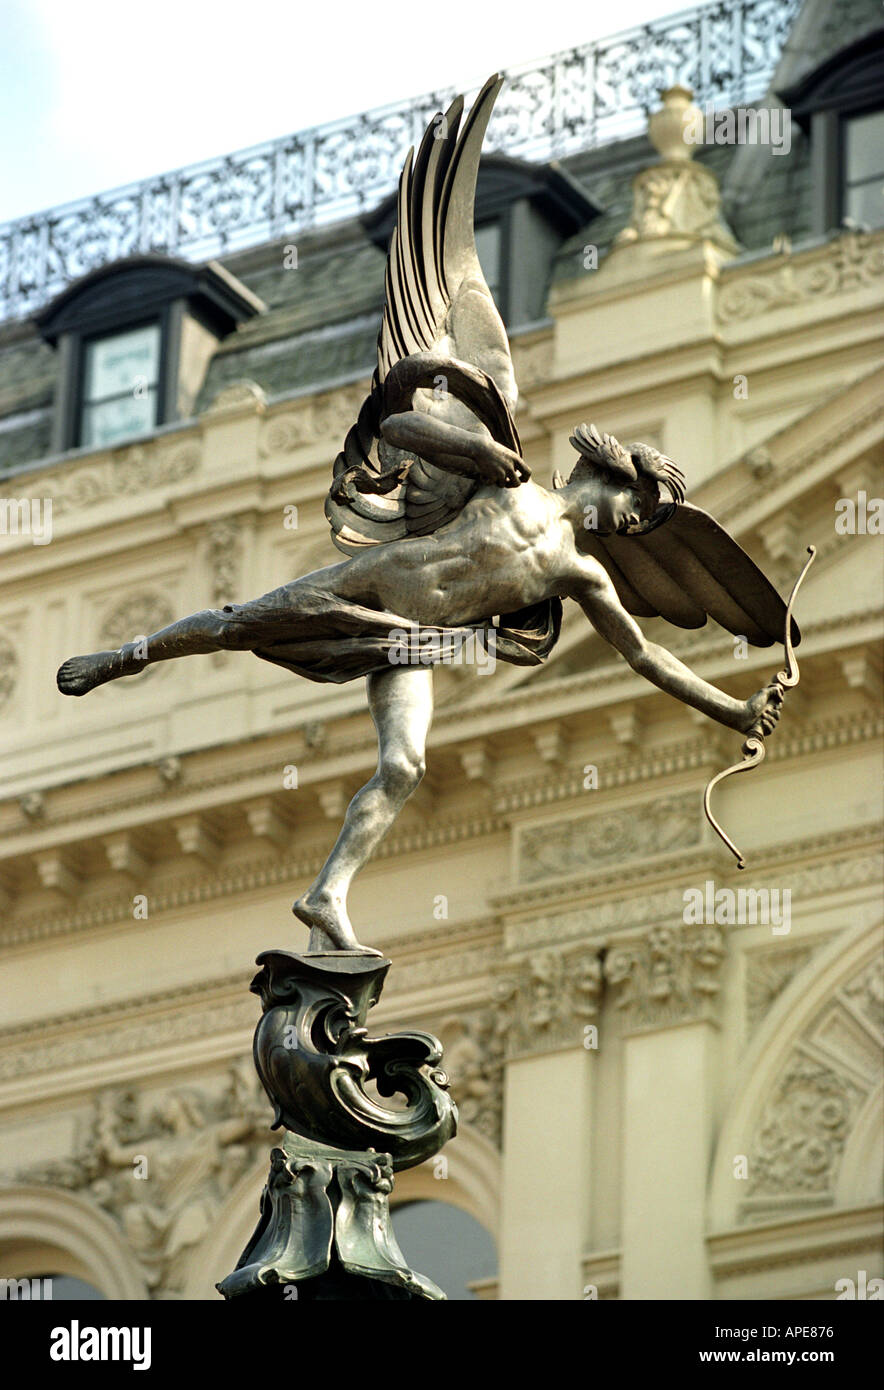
(690, 568)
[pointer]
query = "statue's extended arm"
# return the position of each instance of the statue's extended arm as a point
(454, 448)
(598, 598)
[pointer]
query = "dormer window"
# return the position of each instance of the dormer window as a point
(863, 168)
(121, 379)
(524, 212)
(839, 105)
(134, 341)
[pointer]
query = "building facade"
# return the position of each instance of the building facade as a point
(669, 1086)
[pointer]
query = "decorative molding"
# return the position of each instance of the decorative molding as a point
(583, 842)
(799, 1139)
(681, 756)
(851, 870)
(8, 670)
(795, 1241)
(126, 472)
(135, 615)
(57, 870)
(543, 1002)
(687, 755)
(851, 261)
(320, 417)
(224, 556)
(769, 971)
(162, 1174)
(125, 855)
(669, 976)
(428, 961)
(799, 464)
(196, 836)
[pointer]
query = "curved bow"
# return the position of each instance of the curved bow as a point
(753, 749)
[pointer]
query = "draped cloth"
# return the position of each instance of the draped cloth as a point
(323, 637)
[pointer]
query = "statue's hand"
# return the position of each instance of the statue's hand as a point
(496, 464)
(763, 710)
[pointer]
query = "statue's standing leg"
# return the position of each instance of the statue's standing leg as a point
(401, 704)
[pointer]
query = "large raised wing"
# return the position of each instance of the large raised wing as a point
(440, 318)
(690, 568)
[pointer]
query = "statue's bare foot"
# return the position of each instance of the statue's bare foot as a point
(83, 673)
(330, 927)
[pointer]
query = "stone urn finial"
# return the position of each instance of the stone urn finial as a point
(666, 127)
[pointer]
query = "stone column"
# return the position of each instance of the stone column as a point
(549, 1003)
(666, 986)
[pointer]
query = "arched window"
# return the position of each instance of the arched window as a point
(446, 1244)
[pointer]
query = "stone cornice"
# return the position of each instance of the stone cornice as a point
(594, 904)
(548, 699)
(795, 1240)
(267, 871)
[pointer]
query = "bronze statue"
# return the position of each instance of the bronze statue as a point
(449, 537)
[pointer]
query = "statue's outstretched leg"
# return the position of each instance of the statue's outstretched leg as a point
(237, 627)
(401, 704)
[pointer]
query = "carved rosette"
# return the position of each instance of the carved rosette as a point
(671, 975)
(137, 615)
(800, 1141)
(316, 1060)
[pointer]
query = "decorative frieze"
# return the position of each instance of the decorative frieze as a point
(544, 1001)
(671, 975)
(584, 842)
(321, 417)
(851, 261)
(125, 472)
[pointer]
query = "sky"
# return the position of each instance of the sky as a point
(98, 93)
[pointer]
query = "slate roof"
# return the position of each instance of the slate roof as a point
(322, 319)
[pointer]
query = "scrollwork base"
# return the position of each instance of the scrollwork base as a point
(324, 1231)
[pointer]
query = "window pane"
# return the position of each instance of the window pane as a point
(108, 421)
(118, 364)
(865, 203)
(488, 251)
(864, 147)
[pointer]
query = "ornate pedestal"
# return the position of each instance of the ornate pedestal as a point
(324, 1228)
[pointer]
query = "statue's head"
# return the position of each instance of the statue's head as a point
(623, 483)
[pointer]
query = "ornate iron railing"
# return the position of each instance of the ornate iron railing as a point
(599, 92)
